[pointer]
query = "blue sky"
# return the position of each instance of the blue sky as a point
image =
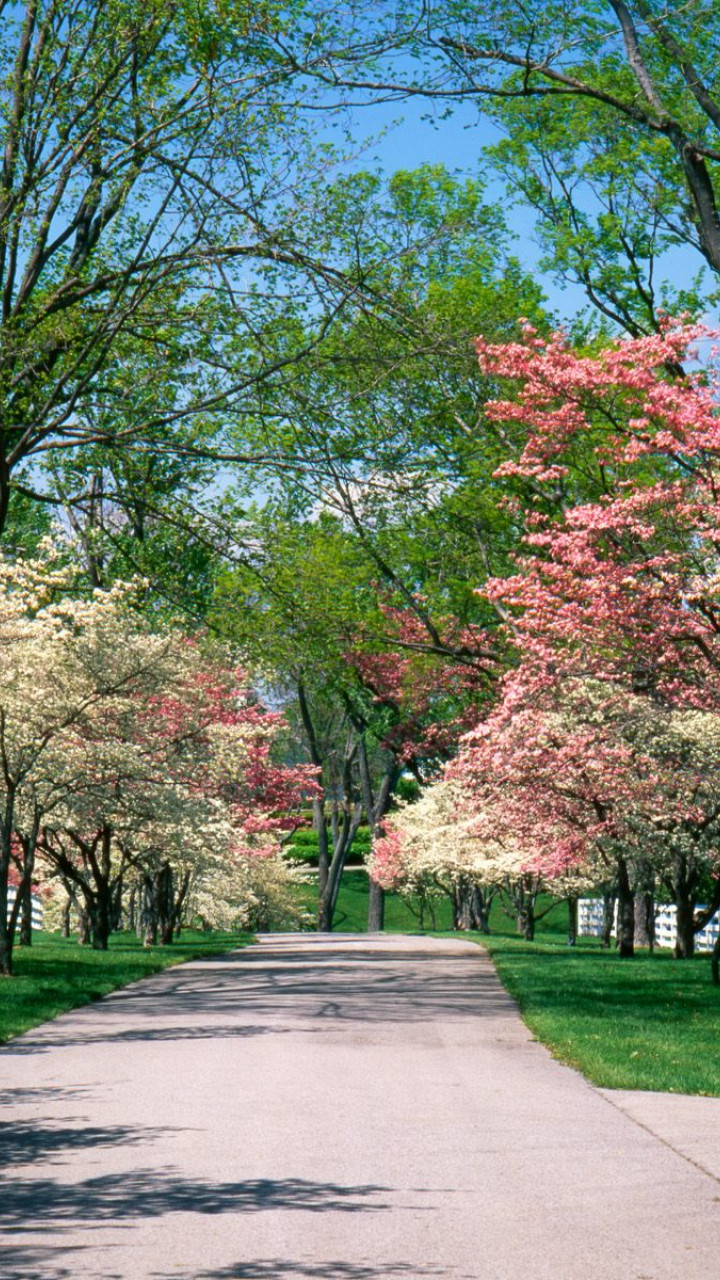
(408, 134)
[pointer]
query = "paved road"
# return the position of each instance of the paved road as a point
(343, 1108)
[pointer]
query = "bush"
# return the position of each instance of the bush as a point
(407, 789)
(303, 847)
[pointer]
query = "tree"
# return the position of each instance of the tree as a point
(179, 787)
(364, 688)
(383, 426)
(623, 587)
(46, 695)
(609, 110)
(136, 222)
(605, 733)
(126, 747)
(595, 782)
(428, 849)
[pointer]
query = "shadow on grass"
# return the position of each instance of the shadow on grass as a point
(647, 1022)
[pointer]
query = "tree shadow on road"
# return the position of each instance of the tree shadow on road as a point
(277, 1268)
(39, 1203)
(25, 1141)
(63, 1033)
(34, 1209)
(253, 993)
(41, 1264)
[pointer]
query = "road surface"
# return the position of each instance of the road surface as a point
(346, 1108)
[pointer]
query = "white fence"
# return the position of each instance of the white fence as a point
(37, 911)
(590, 924)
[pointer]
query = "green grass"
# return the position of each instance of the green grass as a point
(351, 914)
(652, 1022)
(56, 974)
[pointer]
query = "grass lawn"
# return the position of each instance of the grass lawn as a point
(647, 1023)
(351, 913)
(56, 974)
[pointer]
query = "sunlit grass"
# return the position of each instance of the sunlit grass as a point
(652, 1022)
(402, 915)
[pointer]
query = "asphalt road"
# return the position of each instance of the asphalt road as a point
(346, 1108)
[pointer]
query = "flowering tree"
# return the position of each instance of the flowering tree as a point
(594, 780)
(380, 701)
(123, 747)
(603, 745)
(181, 790)
(459, 840)
(430, 848)
(43, 699)
(421, 700)
(216, 746)
(625, 586)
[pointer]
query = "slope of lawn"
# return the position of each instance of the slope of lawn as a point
(56, 974)
(402, 915)
(652, 1022)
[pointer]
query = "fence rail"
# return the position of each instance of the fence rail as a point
(37, 911)
(591, 916)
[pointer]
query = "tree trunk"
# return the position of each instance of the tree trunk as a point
(462, 905)
(469, 907)
(684, 893)
(99, 914)
(6, 940)
(148, 915)
(165, 889)
(376, 908)
(22, 910)
(85, 932)
(65, 918)
(626, 912)
(482, 911)
(26, 926)
(608, 920)
(346, 830)
(525, 897)
(116, 907)
(179, 905)
(376, 807)
(320, 827)
(644, 920)
(572, 920)
(685, 917)
(6, 931)
(715, 962)
(328, 900)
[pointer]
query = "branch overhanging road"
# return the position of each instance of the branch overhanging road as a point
(339, 1107)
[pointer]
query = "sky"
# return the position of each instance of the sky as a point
(407, 134)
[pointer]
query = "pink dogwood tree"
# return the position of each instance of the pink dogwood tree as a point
(603, 743)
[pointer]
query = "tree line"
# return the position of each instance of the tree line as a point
(280, 421)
